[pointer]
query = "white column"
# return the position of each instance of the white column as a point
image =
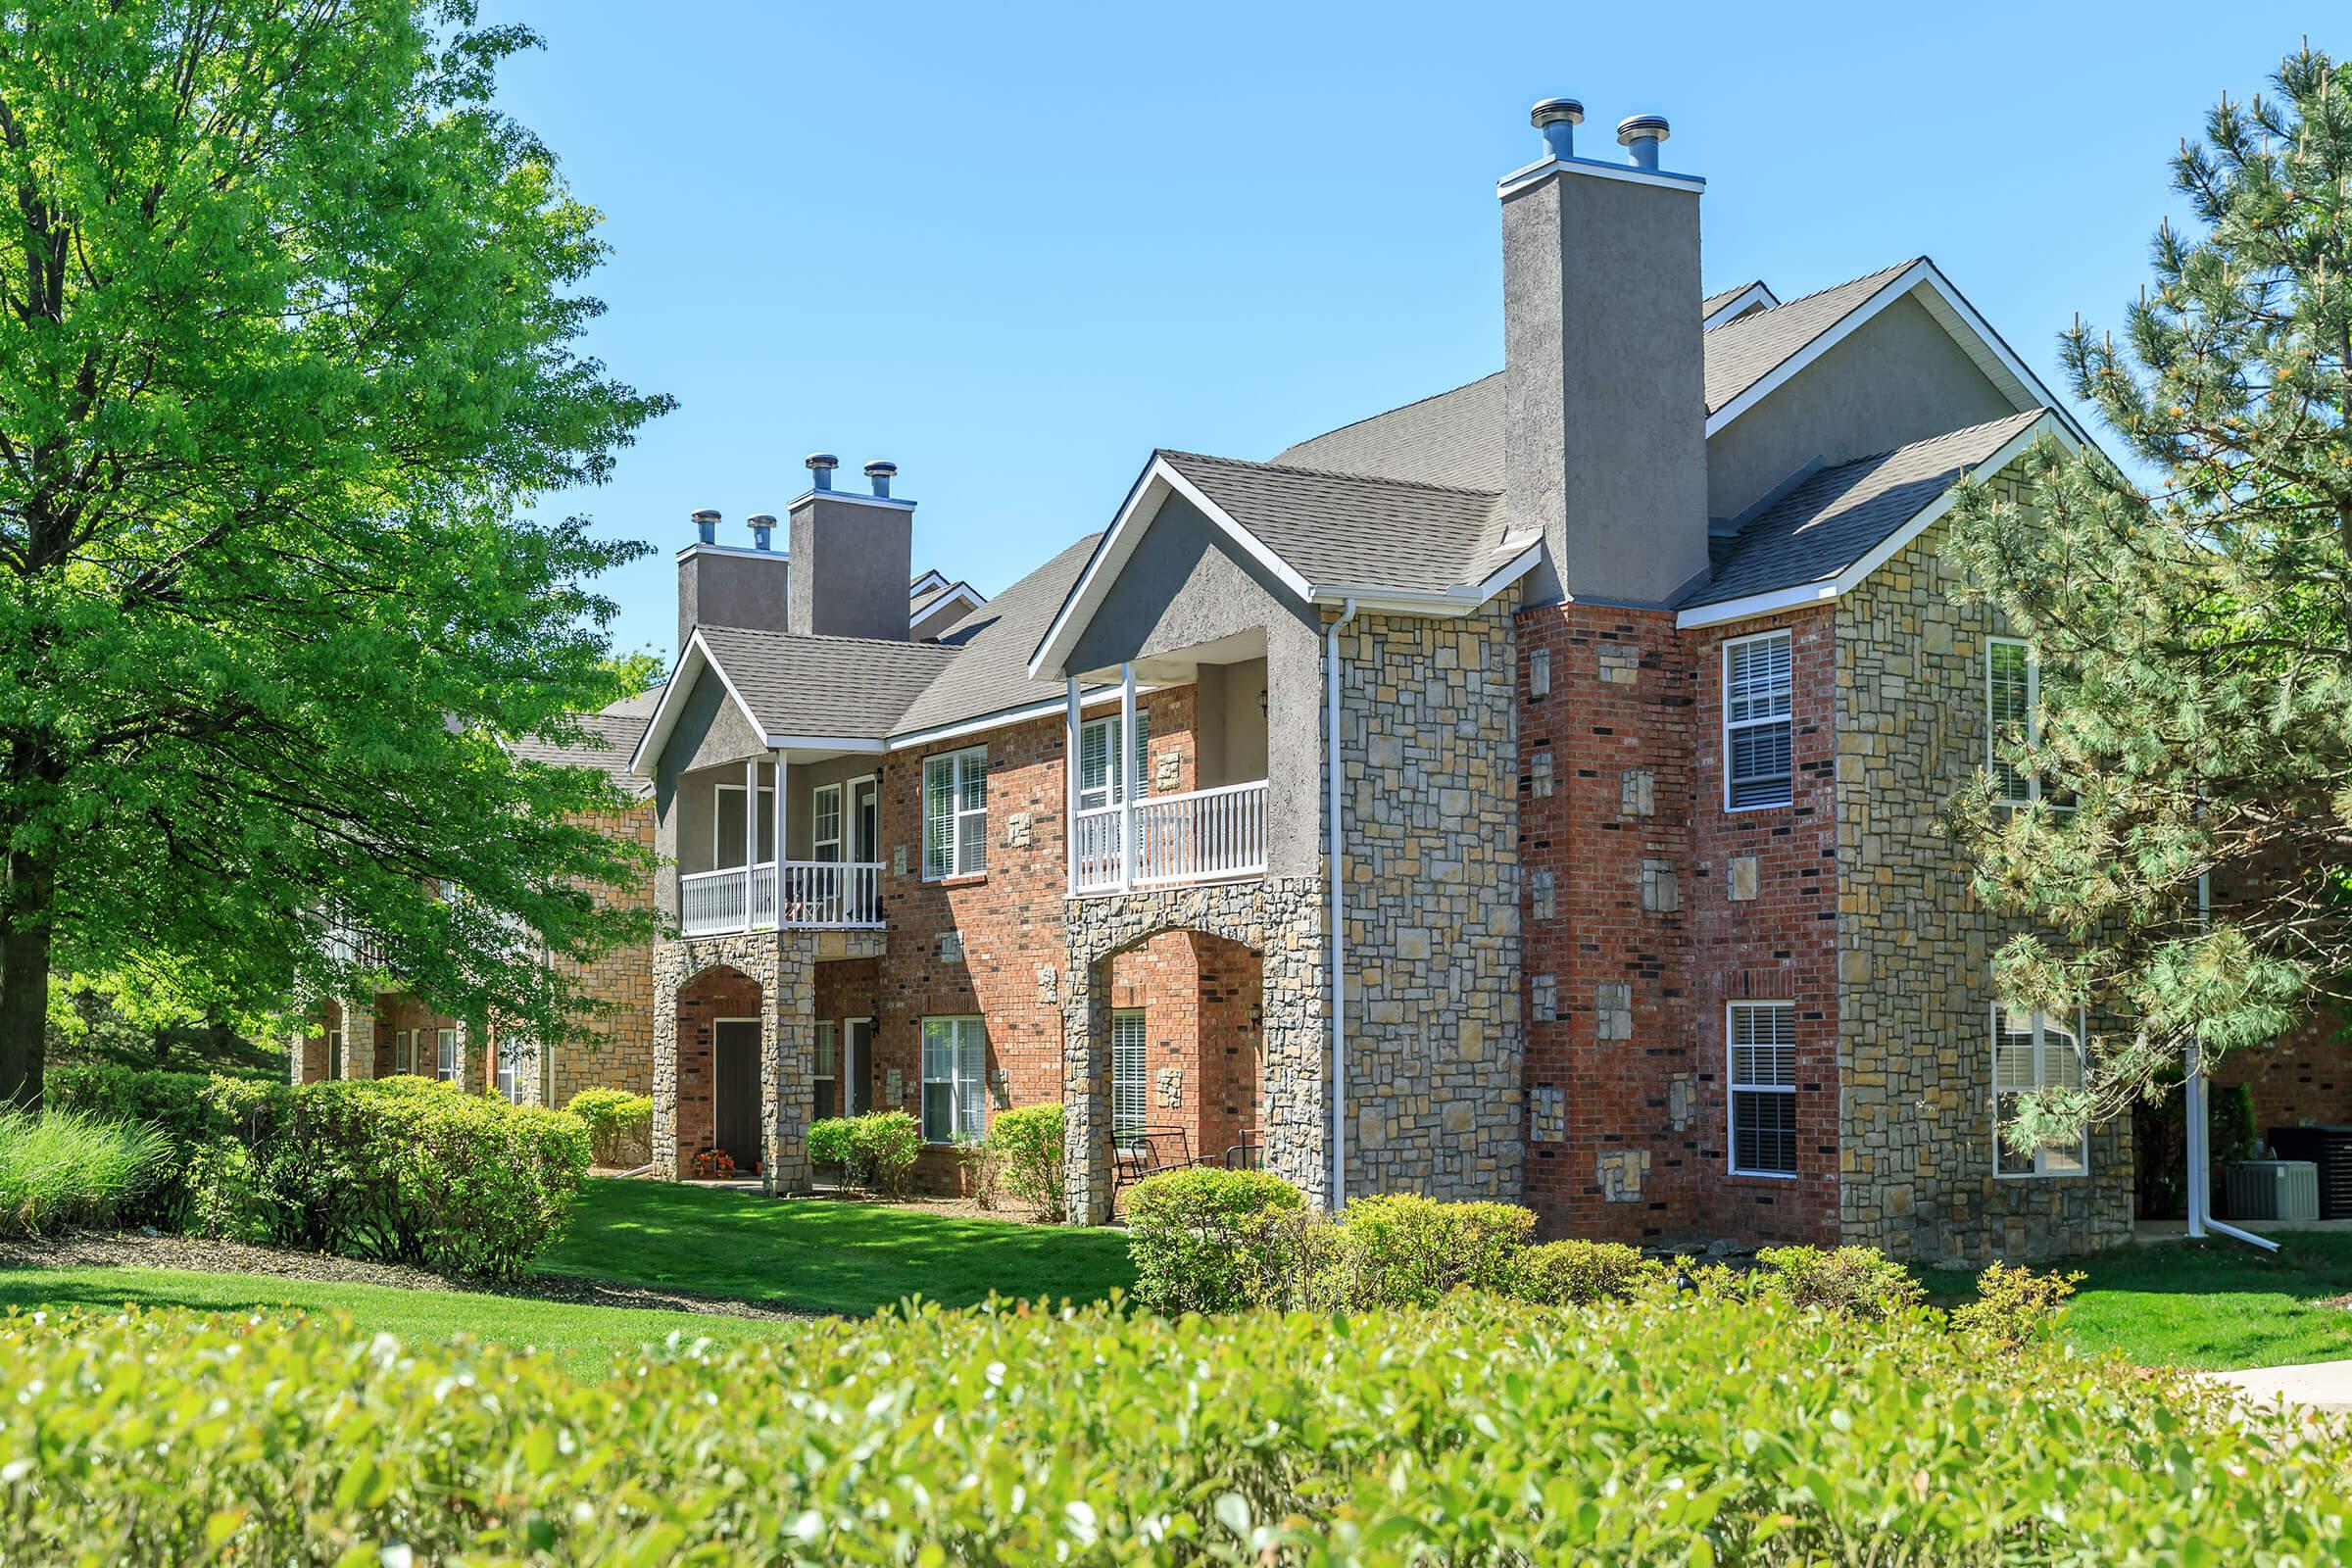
(780, 819)
(751, 835)
(1069, 757)
(1123, 765)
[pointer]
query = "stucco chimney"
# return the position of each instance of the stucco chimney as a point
(852, 557)
(730, 585)
(1604, 386)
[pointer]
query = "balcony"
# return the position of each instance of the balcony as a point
(1208, 835)
(818, 895)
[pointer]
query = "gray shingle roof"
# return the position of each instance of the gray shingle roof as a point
(988, 650)
(1836, 518)
(849, 687)
(1456, 437)
(607, 739)
(1355, 529)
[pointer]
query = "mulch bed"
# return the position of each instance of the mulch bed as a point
(129, 1250)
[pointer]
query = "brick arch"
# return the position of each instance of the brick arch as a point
(776, 971)
(1282, 920)
(717, 965)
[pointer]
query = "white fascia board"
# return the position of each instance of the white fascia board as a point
(864, 744)
(1886, 550)
(933, 578)
(1159, 480)
(964, 591)
(692, 661)
(1011, 716)
(1754, 294)
(1894, 288)
(1951, 309)
(1518, 179)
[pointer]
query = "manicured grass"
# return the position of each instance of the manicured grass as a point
(583, 1339)
(2214, 1304)
(827, 1257)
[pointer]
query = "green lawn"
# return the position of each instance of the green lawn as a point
(583, 1338)
(826, 1256)
(2213, 1304)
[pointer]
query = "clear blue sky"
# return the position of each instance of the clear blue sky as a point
(1014, 248)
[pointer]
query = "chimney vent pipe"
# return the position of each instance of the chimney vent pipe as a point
(1640, 136)
(881, 471)
(1557, 119)
(820, 467)
(763, 528)
(706, 526)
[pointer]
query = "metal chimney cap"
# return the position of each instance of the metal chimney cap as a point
(1642, 128)
(760, 520)
(1552, 111)
(823, 460)
(707, 514)
(880, 467)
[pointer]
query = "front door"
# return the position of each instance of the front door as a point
(865, 819)
(856, 1065)
(735, 1091)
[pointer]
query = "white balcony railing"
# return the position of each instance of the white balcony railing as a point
(832, 893)
(1200, 836)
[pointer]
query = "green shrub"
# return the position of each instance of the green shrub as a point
(621, 1126)
(1476, 1433)
(1581, 1273)
(1401, 1249)
(2015, 1306)
(1213, 1240)
(1859, 1282)
(192, 1112)
(70, 1167)
(1022, 1157)
(227, 1197)
(876, 1150)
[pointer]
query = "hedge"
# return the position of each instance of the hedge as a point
(1479, 1432)
(876, 1150)
(621, 1126)
(404, 1169)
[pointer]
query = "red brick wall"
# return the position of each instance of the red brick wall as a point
(708, 996)
(1231, 986)
(1784, 944)
(846, 988)
(1662, 1090)
(2306, 1077)
(397, 1012)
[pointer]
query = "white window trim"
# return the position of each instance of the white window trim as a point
(959, 817)
(1993, 759)
(449, 1063)
(722, 813)
(866, 852)
(1117, 763)
(824, 1027)
(2042, 1078)
(816, 817)
(1143, 1082)
(1729, 724)
(1733, 1089)
(404, 1052)
(954, 1079)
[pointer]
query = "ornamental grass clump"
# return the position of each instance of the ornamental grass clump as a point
(1481, 1432)
(63, 1168)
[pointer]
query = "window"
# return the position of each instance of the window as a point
(1763, 1088)
(1129, 1099)
(1099, 779)
(511, 1074)
(825, 822)
(445, 1046)
(2028, 1052)
(334, 1052)
(2012, 713)
(404, 1052)
(726, 825)
(956, 814)
(1757, 692)
(827, 1076)
(954, 1057)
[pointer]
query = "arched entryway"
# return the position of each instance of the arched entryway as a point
(734, 1047)
(718, 1094)
(1236, 1059)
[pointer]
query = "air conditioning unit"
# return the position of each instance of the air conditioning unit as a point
(2329, 1148)
(2274, 1189)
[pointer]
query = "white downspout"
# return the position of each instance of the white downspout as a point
(1338, 913)
(2193, 1110)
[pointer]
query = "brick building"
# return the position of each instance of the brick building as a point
(1531, 792)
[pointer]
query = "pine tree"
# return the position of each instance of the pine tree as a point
(2195, 636)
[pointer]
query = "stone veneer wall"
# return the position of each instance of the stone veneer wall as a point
(1429, 768)
(1915, 951)
(782, 964)
(1284, 920)
(613, 1048)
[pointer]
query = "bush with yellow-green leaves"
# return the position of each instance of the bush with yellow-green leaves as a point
(1482, 1431)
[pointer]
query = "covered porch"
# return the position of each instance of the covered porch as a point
(822, 806)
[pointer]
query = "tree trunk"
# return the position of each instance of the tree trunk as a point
(25, 977)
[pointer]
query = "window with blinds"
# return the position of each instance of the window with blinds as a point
(1130, 1102)
(956, 813)
(826, 1075)
(1758, 701)
(1100, 776)
(2013, 716)
(1762, 1036)
(954, 1065)
(825, 822)
(2031, 1052)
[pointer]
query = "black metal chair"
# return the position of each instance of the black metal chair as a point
(1246, 1157)
(1149, 1150)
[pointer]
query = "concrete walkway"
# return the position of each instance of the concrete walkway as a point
(2325, 1386)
